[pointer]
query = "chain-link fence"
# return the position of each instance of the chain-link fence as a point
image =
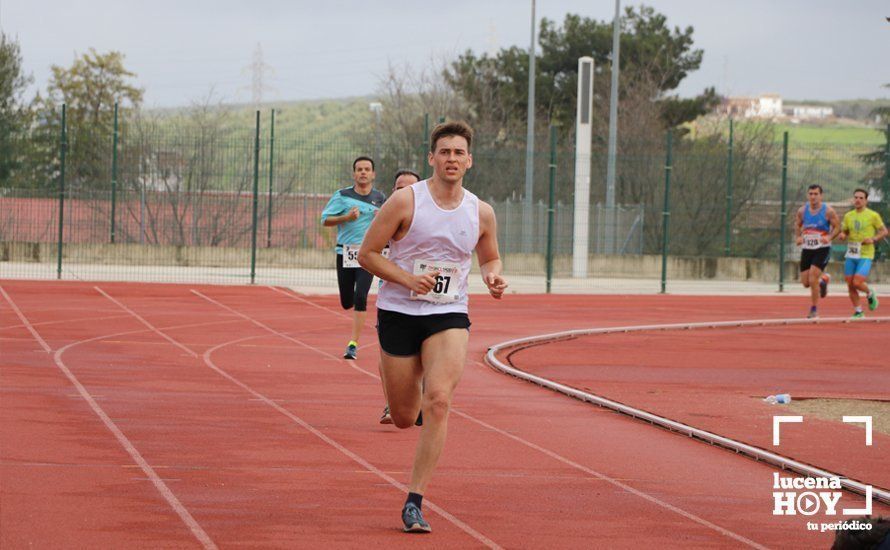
(145, 202)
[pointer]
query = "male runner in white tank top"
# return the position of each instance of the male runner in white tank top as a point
(433, 227)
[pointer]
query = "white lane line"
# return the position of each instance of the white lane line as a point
(146, 323)
(25, 322)
(63, 321)
(358, 459)
(525, 442)
(333, 443)
(305, 301)
(150, 473)
(294, 296)
(654, 500)
(281, 334)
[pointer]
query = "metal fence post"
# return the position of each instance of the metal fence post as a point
(550, 211)
(885, 187)
(666, 213)
(114, 173)
(271, 169)
(727, 247)
(256, 192)
(784, 212)
(426, 146)
(63, 149)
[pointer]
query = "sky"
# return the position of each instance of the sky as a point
(181, 50)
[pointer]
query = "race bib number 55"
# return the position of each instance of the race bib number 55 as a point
(350, 255)
(446, 289)
(854, 250)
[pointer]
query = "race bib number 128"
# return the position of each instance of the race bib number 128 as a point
(812, 241)
(446, 289)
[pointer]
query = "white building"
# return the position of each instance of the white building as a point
(769, 106)
(764, 106)
(808, 112)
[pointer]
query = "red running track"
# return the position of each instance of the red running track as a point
(177, 416)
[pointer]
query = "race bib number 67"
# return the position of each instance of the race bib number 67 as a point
(446, 290)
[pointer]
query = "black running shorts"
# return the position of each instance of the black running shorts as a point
(402, 335)
(354, 283)
(818, 257)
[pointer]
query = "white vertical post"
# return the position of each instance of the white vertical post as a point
(581, 230)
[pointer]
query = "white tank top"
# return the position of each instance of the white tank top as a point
(435, 235)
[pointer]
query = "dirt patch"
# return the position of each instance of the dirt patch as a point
(835, 409)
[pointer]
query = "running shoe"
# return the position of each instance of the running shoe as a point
(351, 351)
(814, 314)
(823, 285)
(419, 421)
(872, 300)
(386, 418)
(858, 315)
(412, 517)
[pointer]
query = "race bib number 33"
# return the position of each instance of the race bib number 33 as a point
(446, 289)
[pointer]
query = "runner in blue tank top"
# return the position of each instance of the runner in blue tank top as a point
(817, 224)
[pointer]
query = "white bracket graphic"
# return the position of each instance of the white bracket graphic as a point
(861, 511)
(777, 421)
(861, 420)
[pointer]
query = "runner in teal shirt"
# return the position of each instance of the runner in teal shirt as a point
(351, 210)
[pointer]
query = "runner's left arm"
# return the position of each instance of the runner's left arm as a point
(487, 252)
(881, 230)
(835, 222)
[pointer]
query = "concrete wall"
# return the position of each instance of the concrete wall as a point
(627, 266)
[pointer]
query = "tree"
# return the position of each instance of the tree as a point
(406, 95)
(89, 88)
(13, 110)
(652, 56)
(878, 176)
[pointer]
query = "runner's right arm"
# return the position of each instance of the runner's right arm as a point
(843, 234)
(332, 214)
(798, 226)
(330, 221)
(393, 215)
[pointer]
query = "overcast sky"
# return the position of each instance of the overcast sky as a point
(181, 49)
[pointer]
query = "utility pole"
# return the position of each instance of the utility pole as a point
(259, 70)
(613, 133)
(528, 225)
